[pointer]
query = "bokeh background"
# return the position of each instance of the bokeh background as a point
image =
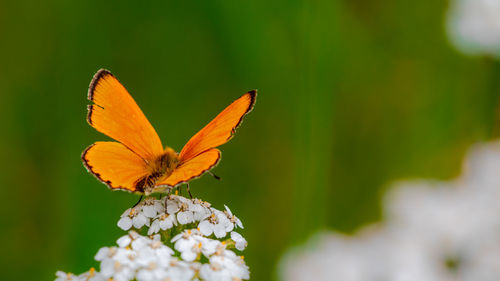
(352, 94)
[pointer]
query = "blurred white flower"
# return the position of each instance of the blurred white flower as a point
(225, 267)
(474, 26)
(433, 231)
(334, 256)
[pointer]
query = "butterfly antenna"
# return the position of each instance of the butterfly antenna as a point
(187, 187)
(214, 175)
(140, 199)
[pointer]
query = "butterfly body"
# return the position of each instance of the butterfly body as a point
(136, 161)
(159, 169)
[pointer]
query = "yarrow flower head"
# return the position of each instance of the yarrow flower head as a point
(173, 238)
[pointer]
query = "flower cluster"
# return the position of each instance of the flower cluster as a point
(183, 239)
(438, 231)
(474, 26)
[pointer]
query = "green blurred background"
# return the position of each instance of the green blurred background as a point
(352, 94)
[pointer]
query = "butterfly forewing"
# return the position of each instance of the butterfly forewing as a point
(115, 113)
(220, 129)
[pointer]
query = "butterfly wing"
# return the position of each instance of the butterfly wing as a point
(115, 114)
(221, 129)
(193, 168)
(115, 165)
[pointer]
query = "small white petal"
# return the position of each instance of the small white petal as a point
(183, 245)
(240, 242)
(166, 223)
(185, 217)
(206, 228)
(124, 241)
(238, 223)
(210, 247)
(63, 276)
(177, 237)
(228, 226)
(102, 254)
(139, 221)
(154, 228)
(219, 231)
(140, 243)
(189, 255)
(125, 223)
(149, 211)
(172, 207)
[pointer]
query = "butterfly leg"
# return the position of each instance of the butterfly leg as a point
(140, 199)
(189, 192)
(214, 175)
(165, 204)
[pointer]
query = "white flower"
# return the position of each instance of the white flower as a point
(154, 252)
(151, 273)
(63, 276)
(125, 240)
(163, 221)
(184, 214)
(111, 268)
(474, 26)
(191, 244)
(187, 210)
(232, 218)
(200, 209)
(240, 242)
(216, 223)
(132, 217)
(91, 275)
(150, 207)
(180, 270)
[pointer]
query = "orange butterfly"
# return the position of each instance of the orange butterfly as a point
(138, 162)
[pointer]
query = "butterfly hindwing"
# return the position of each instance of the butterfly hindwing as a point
(115, 113)
(220, 129)
(193, 168)
(115, 165)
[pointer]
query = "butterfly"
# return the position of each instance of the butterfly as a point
(136, 161)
